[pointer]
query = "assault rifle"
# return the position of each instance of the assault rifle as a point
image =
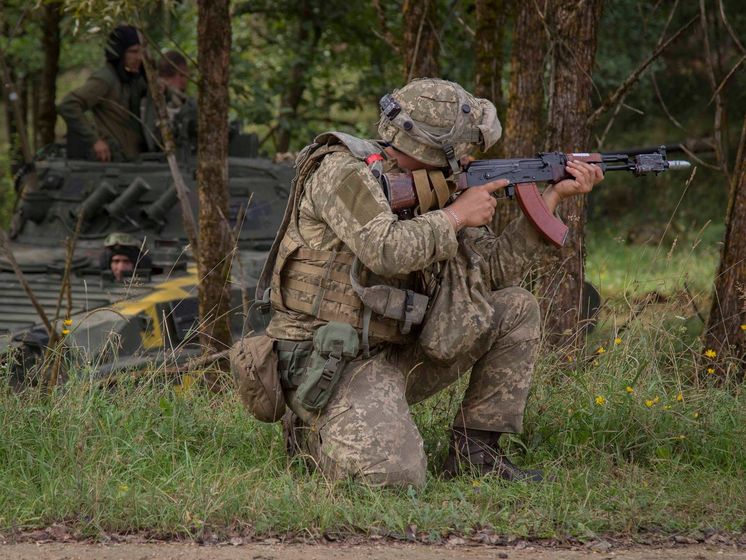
(409, 191)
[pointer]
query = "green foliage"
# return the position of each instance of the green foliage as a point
(330, 46)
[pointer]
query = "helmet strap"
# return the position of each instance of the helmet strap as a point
(452, 161)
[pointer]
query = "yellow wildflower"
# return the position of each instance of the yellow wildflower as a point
(617, 341)
(65, 331)
(710, 370)
(185, 386)
(68, 322)
(569, 358)
(743, 327)
(696, 415)
(601, 350)
(680, 397)
(600, 400)
(656, 399)
(649, 403)
(682, 436)
(629, 389)
(710, 353)
(666, 407)
(476, 483)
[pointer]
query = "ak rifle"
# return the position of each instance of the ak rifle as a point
(426, 191)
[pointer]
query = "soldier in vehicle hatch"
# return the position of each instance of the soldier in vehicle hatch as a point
(350, 284)
(123, 257)
(112, 94)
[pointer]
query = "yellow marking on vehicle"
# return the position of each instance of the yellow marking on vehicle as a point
(166, 291)
(170, 290)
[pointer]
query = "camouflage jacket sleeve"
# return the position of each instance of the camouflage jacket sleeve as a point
(77, 102)
(344, 195)
(512, 254)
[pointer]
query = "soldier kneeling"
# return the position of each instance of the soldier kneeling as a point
(372, 313)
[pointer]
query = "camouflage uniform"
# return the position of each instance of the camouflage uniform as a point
(366, 428)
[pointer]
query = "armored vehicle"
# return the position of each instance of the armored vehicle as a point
(152, 317)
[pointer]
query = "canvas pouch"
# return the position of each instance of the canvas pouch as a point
(254, 366)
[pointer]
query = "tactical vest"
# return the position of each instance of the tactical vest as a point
(330, 285)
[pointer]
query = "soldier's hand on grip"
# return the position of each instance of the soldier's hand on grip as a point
(476, 205)
(586, 176)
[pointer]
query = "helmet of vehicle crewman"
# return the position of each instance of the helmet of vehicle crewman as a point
(124, 256)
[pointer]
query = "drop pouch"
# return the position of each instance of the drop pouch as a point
(334, 346)
(254, 366)
(459, 312)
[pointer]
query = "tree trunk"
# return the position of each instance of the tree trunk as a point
(523, 130)
(214, 259)
(309, 34)
(726, 328)
(574, 27)
(15, 117)
(420, 41)
(491, 19)
(34, 92)
(48, 93)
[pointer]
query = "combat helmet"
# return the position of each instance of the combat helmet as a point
(118, 243)
(437, 122)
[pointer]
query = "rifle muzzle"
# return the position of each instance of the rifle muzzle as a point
(677, 164)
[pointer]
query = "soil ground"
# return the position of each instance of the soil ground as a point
(381, 551)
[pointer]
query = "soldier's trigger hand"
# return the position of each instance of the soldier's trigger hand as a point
(494, 186)
(476, 205)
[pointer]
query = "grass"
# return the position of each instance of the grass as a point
(667, 455)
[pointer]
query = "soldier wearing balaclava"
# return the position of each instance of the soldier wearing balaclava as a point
(111, 96)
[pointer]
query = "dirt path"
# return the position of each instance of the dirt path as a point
(384, 551)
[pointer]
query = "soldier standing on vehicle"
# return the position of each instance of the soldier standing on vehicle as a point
(112, 94)
(173, 79)
(347, 292)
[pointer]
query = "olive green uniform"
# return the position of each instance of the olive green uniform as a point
(366, 428)
(115, 106)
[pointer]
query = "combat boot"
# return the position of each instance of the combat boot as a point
(478, 452)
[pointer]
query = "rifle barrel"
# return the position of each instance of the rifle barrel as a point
(645, 150)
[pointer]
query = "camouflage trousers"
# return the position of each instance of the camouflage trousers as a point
(366, 429)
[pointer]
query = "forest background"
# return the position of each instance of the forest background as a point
(638, 417)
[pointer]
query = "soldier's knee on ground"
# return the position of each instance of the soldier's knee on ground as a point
(370, 445)
(403, 471)
(395, 469)
(517, 314)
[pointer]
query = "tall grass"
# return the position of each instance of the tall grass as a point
(632, 440)
(668, 456)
